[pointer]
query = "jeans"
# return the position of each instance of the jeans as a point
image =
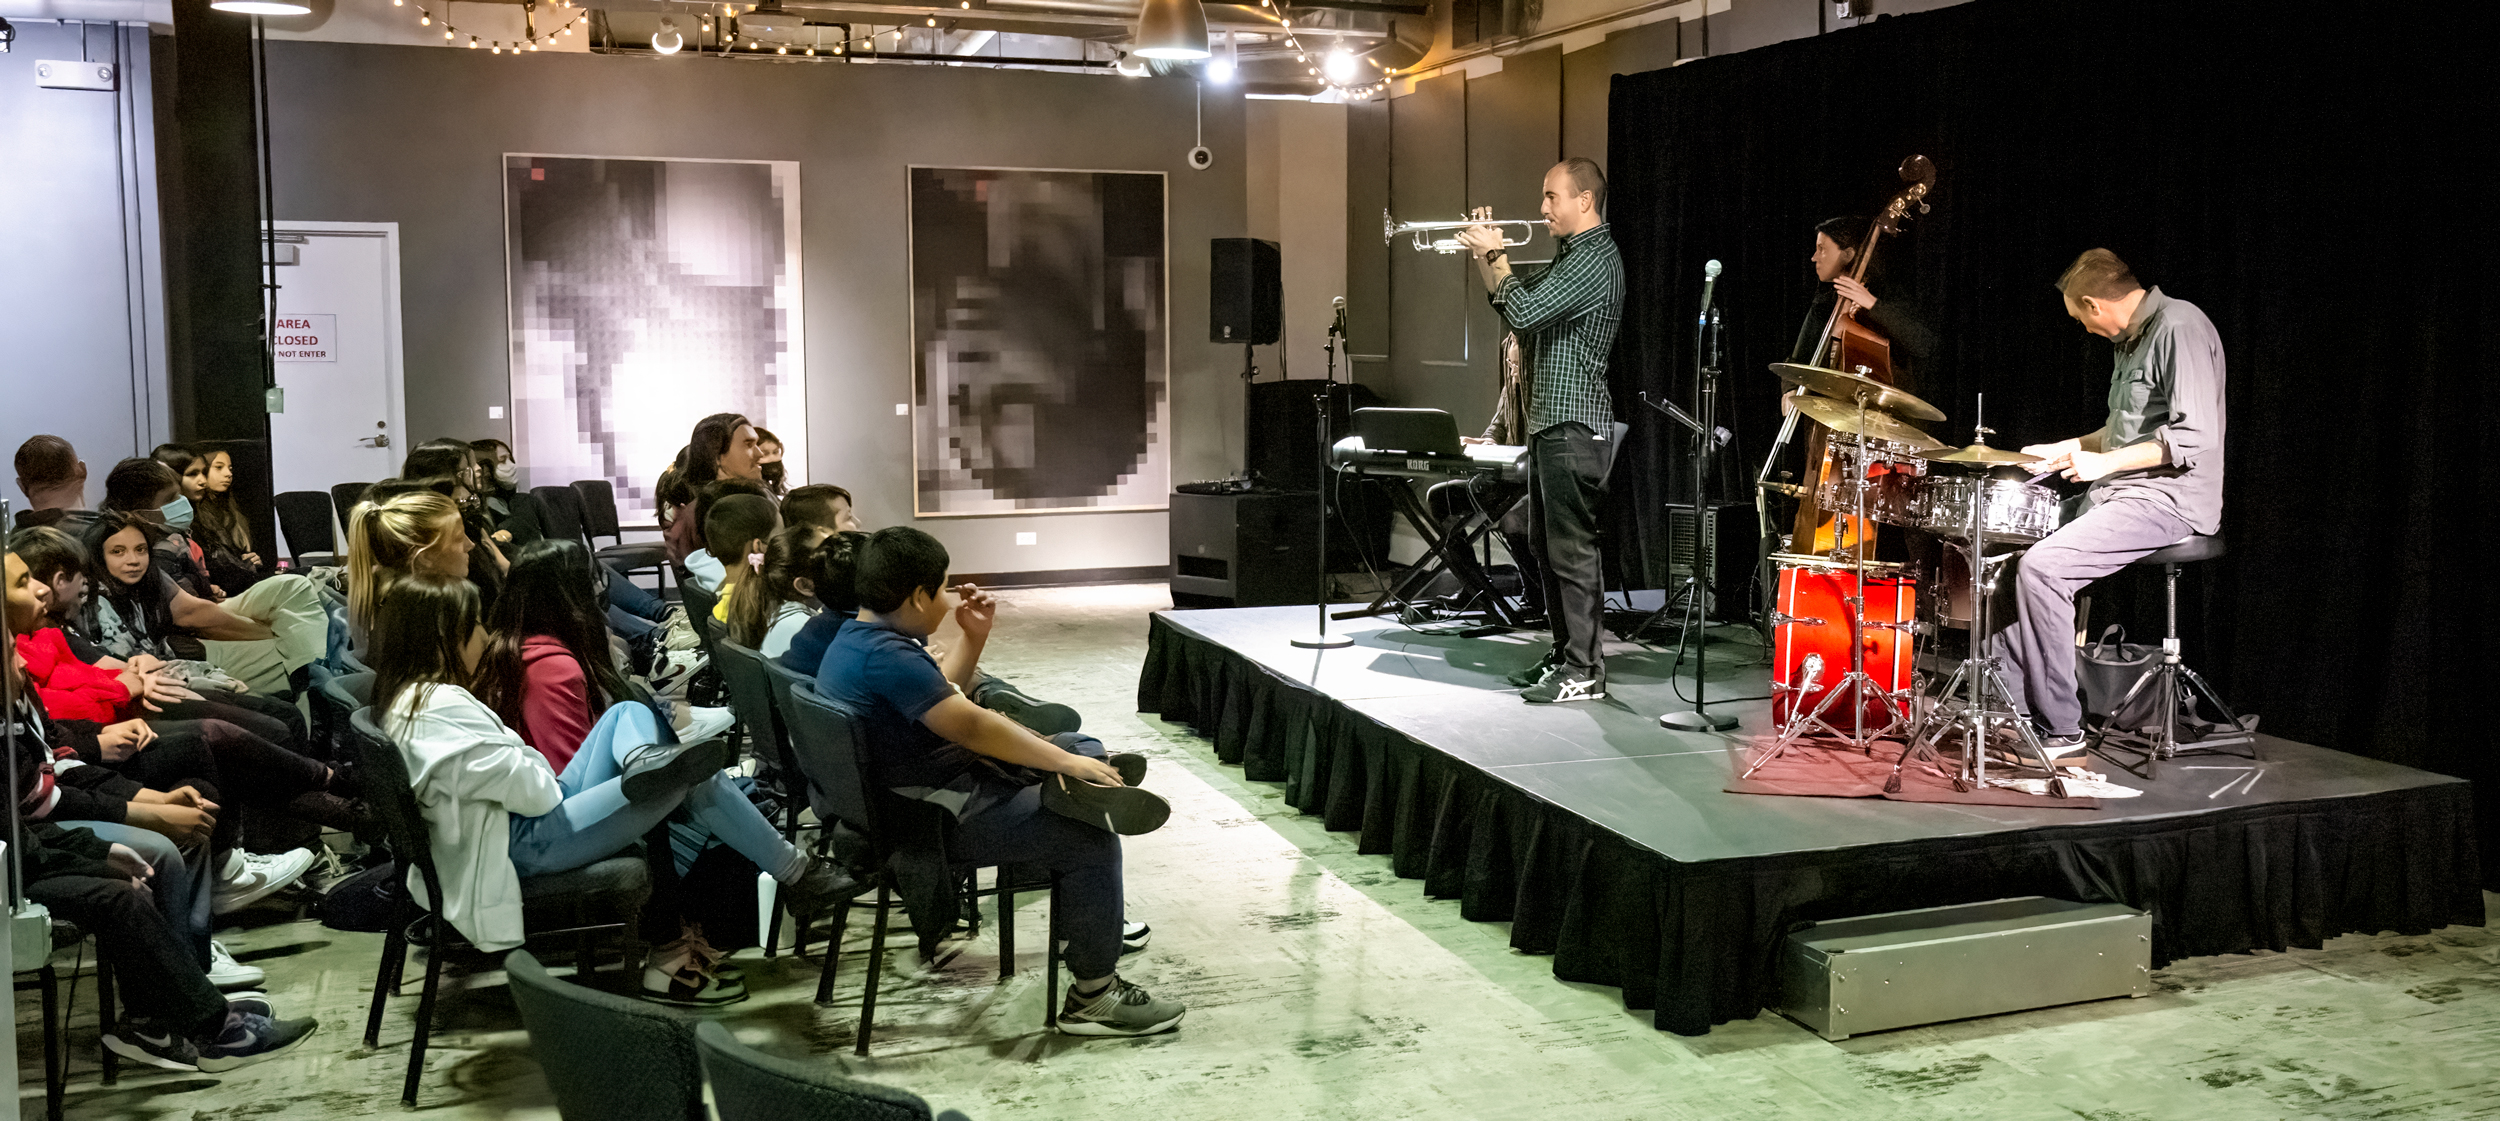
(1087, 911)
(162, 980)
(1567, 467)
(595, 820)
(2038, 646)
(638, 601)
(183, 884)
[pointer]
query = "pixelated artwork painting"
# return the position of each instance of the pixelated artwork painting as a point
(1040, 374)
(646, 294)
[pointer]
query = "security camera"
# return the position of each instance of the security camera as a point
(1200, 159)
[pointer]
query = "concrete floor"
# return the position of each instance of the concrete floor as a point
(1322, 986)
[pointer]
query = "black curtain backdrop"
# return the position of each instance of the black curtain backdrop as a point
(2299, 170)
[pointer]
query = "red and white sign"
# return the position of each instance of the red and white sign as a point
(307, 338)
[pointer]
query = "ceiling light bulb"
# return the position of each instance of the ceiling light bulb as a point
(1340, 66)
(473, 42)
(1220, 70)
(933, 21)
(667, 40)
(425, 21)
(781, 50)
(446, 34)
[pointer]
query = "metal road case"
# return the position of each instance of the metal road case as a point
(1877, 972)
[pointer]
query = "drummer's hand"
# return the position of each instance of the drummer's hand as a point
(2083, 466)
(1853, 291)
(2054, 457)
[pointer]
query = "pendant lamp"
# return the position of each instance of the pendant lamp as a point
(1172, 29)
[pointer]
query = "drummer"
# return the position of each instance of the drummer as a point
(2156, 472)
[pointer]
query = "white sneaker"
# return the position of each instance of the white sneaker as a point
(227, 973)
(248, 878)
(705, 723)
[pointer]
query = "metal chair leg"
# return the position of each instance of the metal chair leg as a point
(386, 974)
(425, 1012)
(111, 1061)
(833, 951)
(55, 1068)
(876, 970)
(1006, 927)
(1050, 961)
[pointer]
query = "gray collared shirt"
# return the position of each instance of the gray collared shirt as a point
(2167, 386)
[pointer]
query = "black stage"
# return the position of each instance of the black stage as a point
(1609, 842)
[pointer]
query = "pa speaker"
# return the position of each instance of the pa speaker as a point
(1245, 290)
(1282, 426)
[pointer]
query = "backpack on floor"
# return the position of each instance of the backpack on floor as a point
(366, 901)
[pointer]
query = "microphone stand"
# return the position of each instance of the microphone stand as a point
(1322, 640)
(1706, 356)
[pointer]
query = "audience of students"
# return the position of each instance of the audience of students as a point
(721, 447)
(771, 604)
(735, 528)
(219, 526)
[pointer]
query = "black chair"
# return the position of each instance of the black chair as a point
(335, 703)
(304, 517)
(606, 1056)
(621, 882)
(833, 758)
(560, 514)
(46, 979)
(749, 1085)
(2177, 687)
(345, 496)
(751, 698)
(699, 606)
(599, 519)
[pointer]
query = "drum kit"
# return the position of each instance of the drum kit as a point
(1846, 627)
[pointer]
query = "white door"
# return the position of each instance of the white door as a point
(337, 355)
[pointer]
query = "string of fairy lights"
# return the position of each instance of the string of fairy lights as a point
(531, 41)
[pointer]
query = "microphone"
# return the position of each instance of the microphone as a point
(1338, 328)
(1709, 281)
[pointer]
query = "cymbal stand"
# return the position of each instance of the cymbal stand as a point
(1857, 683)
(1990, 703)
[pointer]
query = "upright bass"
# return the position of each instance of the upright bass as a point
(1853, 347)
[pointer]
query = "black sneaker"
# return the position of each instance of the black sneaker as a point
(1132, 768)
(146, 1043)
(1119, 1008)
(1535, 673)
(1134, 936)
(2065, 750)
(1044, 718)
(694, 763)
(1563, 684)
(822, 885)
(1125, 810)
(681, 977)
(250, 1038)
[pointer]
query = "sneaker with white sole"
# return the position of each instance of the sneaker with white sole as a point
(248, 878)
(1134, 936)
(706, 723)
(152, 1045)
(250, 1037)
(227, 973)
(1118, 1008)
(1562, 684)
(675, 974)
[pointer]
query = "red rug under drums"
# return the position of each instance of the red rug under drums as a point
(1812, 770)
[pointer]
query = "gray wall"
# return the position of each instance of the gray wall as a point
(415, 135)
(82, 335)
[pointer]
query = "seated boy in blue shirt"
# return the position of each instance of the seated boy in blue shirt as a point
(1018, 798)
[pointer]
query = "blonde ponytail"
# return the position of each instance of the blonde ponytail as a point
(383, 540)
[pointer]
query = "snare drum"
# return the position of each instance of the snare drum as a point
(1810, 637)
(2011, 510)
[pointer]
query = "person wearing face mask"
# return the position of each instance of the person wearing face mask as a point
(150, 489)
(768, 466)
(513, 515)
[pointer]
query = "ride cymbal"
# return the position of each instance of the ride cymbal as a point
(1847, 387)
(1842, 417)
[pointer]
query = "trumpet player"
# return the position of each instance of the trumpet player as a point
(1565, 319)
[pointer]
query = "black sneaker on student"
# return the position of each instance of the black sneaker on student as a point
(1535, 673)
(1132, 768)
(822, 885)
(1563, 684)
(1118, 1008)
(1125, 810)
(154, 1045)
(250, 1038)
(678, 770)
(1134, 936)
(1044, 718)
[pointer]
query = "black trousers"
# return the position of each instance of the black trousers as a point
(1567, 467)
(161, 981)
(236, 769)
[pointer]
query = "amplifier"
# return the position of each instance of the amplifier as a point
(1722, 543)
(1243, 550)
(1879, 972)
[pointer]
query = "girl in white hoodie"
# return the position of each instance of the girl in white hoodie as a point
(497, 811)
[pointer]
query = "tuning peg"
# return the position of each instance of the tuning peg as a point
(1922, 208)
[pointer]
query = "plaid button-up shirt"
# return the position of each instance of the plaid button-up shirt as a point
(1568, 316)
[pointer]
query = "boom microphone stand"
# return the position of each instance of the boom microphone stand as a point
(1696, 615)
(1323, 640)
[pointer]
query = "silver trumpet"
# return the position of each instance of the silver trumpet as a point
(1422, 232)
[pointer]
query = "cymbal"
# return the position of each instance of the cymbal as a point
(1842, 416)
(1846, 387)
(1980, 455)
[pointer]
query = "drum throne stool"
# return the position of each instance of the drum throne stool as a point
(2175, 684)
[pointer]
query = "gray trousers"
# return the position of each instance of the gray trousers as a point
(2038, 644)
